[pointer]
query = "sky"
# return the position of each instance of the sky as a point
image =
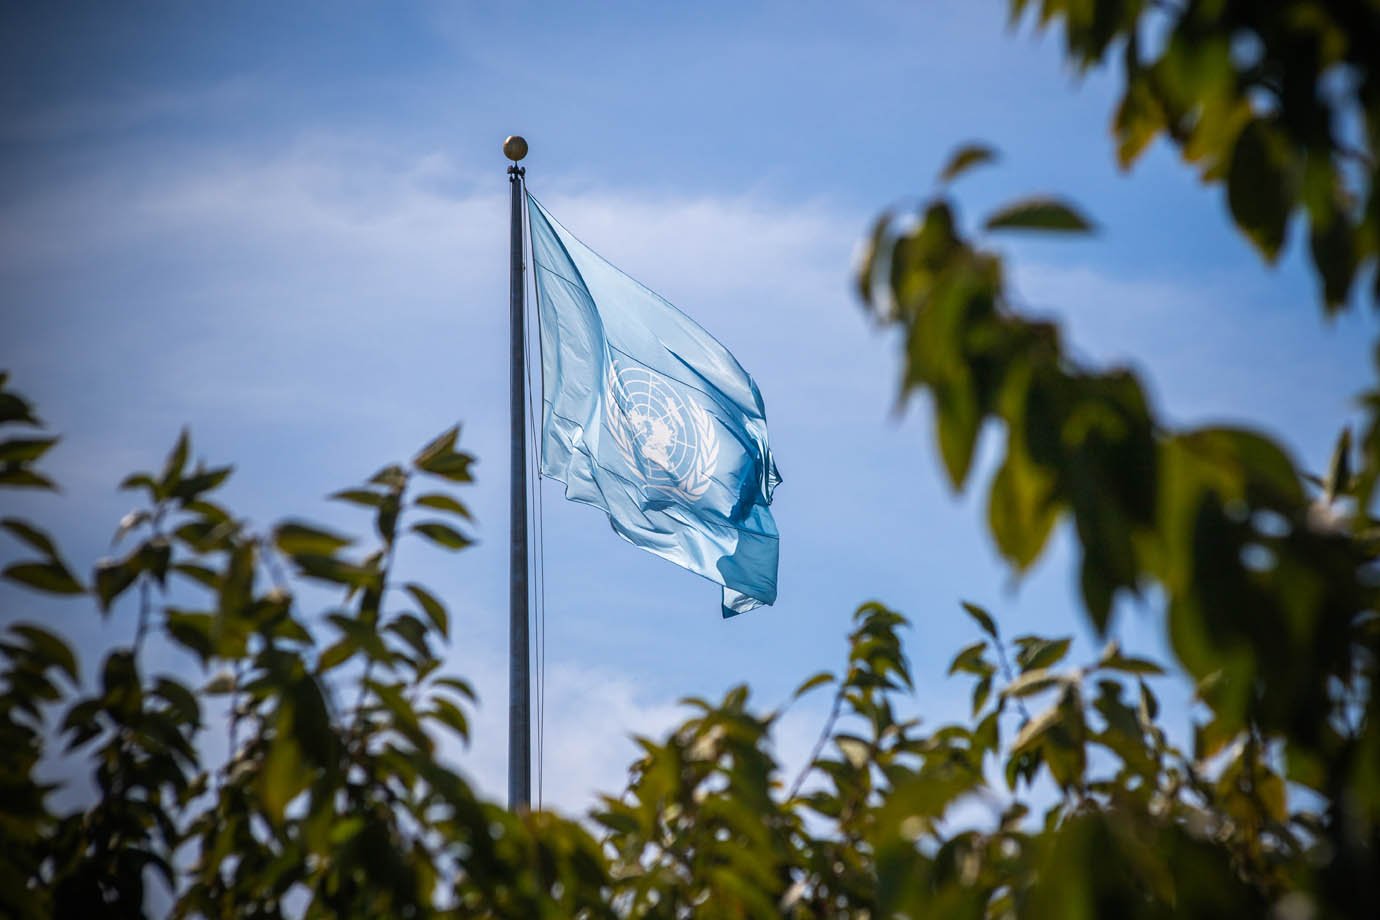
(285, 227)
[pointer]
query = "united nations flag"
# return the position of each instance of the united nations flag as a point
(646, 416)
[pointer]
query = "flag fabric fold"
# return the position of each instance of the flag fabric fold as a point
(648, 417)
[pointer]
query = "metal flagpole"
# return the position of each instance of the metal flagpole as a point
(519, 677)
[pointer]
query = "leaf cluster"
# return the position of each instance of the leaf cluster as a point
(332, 798)
(1266, 572)
(1277, 102)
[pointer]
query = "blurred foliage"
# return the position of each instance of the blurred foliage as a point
(1278, 101)
(315, 788)
(1267, 574)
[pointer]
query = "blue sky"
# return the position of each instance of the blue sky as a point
(287, 229)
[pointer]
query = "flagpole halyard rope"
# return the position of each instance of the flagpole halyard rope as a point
(538, 526)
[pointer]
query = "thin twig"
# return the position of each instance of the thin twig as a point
(141, 629)
(1006, 673)
(823, 739)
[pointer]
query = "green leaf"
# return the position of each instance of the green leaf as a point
(337, 654)
(1031, 732)
(1211, 738)
(345, 830)
(193, 631)
(1149, 705)
(120, 681)
(443, 445)
(442, 502)
(448, 714)
(1259, 186)
(20, 478)
(51, 577)
(442, 535)
(1113, 660)
(201, 536)
(311, 723)
(1338, 479)
(220, 685)
(391, 477)
(965, 158)
(983, 618)
(209, 511)
(454, 467)
(140, 481)
(818, 680)
(207, 578)
(405, 719)
(113, 576)
(867, 262)
(959, 422)
(1306, 768)
(1042, 214)
(14, 408)
(282, 777)
(1138, 119)
(1270, 789)
(338, 571)
(154, 556)
(413, 632)
(173, 466)
(1335, 251)
(1041, 653)
(1021, 508)
(127, 523)
(25, 450)
(439, 458)
(363, 497)
(970, 660)
(31, 535)
(981, 691)
(297, 539)
(82, 722)
(48, 648)
(856, 750)
(1032, 682)
(181, 700)
(202, 481)
(363, 635)
(459, 685)
(433, 608)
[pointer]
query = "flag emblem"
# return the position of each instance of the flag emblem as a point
(667, 440)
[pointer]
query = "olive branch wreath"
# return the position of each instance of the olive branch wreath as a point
(706, 451)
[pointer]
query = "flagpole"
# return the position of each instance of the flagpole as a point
(519, 677)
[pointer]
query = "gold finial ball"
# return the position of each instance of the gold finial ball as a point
(515, 147)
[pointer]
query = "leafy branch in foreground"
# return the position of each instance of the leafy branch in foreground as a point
(330, 796)
(1278, 102)
(1269, 589)
(333, 800)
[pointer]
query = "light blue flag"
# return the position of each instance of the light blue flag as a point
(649, 418)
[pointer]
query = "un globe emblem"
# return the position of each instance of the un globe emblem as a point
(667, 441)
